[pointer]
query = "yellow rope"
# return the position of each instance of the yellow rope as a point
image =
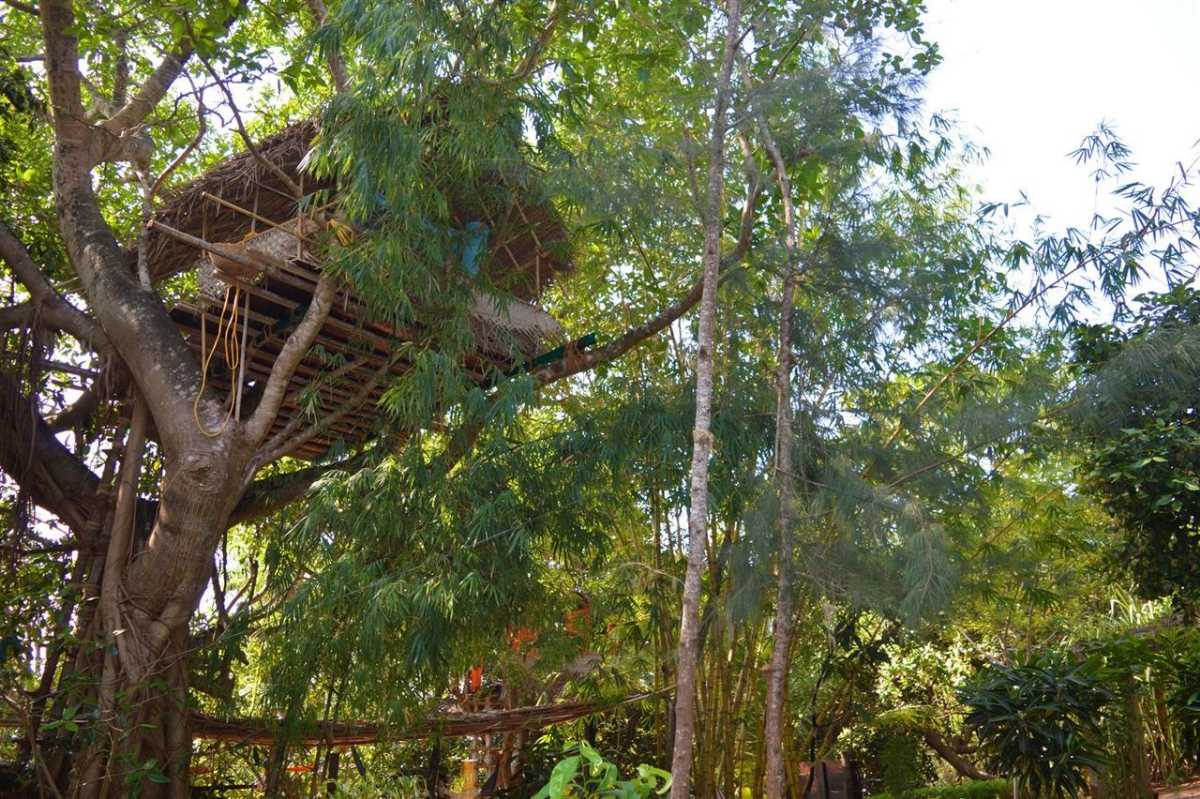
(226, 338)
(227, 335)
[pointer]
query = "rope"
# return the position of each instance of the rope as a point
(224, 333)
(226, 337)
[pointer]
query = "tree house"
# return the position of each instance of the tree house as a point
(241, 225)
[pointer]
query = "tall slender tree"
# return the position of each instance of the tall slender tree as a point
(689, 629)
(784, 480)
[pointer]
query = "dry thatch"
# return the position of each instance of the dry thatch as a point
(528, 238)
(241, 179)
(255, 219)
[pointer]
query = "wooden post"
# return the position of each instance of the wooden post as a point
(468, 780)
(1139, 770)
(331, 771)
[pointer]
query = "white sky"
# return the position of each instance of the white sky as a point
(1029, 79)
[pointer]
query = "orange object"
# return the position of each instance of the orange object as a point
(579, 620)
(519, 637)
(476, 678)
(469, 783)
(299, 769)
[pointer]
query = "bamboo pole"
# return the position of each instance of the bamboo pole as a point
(258, 217)
(223, 250)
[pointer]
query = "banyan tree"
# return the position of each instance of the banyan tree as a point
(241, 340)
(245, 347)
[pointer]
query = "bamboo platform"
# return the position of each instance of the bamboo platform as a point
(350, 350)
(243, 209)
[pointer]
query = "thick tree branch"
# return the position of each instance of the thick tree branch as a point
(294, 350)
(267, 732)
(37, 461)
(120, 544)
(582, 362)
(62, 60)
(134, 320)
(337, 67)
(150, 93)
(19, 315)
(271, 494)
(959, 763)
(54, 309)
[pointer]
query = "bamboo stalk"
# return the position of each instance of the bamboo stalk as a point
(223, 250)
(258, 217)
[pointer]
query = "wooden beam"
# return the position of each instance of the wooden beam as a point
(263, 732)
(223, 250)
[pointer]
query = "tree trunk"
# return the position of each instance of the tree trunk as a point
(689, 632)
(140, 681)
(956, 760)
(146, 742)
(133, 659)
(1139, 767)
(777, 671)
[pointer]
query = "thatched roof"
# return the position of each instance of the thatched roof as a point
(527, 237)
(255, 214)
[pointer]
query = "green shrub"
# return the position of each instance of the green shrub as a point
(1185, 701)
(1040, 723)
(978, 789)
(587, 775)
(900, 764)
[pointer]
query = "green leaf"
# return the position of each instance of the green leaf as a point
(590, 754)
(562, 776)
(655, 774)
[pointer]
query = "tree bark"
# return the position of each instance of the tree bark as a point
(948, 753)
(777, 671)
(689, 632)
(147, 597)
(337, 66)
(54, 478)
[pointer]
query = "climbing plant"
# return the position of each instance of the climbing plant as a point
(587, 775)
